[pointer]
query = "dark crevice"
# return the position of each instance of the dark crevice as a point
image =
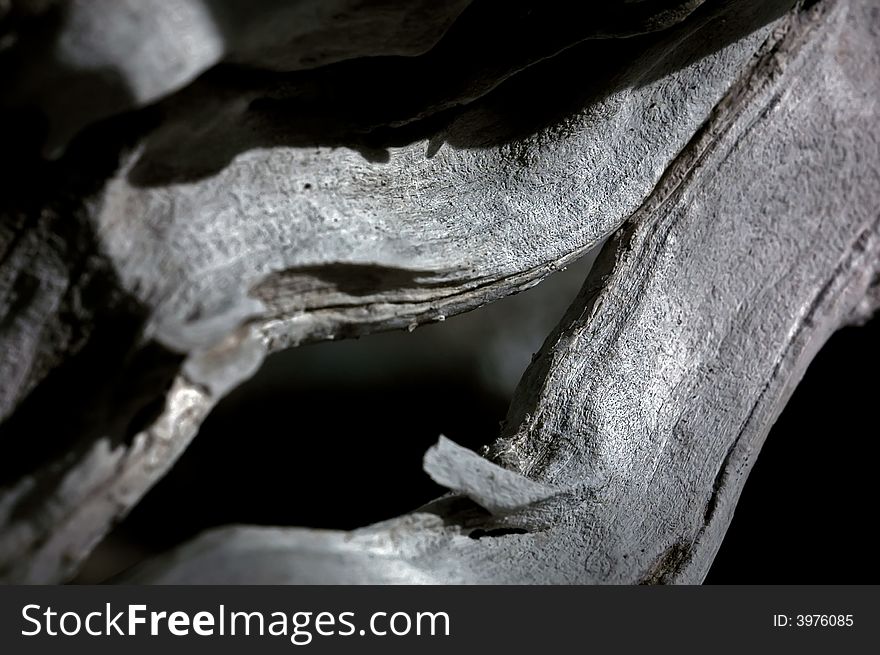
(332, 435)
(458, 94)
(668, 565)
(480, 533)
(285, 449)
(802, 516)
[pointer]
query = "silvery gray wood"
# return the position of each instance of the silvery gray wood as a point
(648, 405)
(264, 233)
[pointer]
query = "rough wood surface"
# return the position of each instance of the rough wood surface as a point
(639, 421)
(169, 248)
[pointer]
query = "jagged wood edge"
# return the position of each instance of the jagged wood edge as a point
(97, 483)
(646, 480)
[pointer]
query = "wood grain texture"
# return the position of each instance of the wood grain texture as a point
(733, 154)
(651, 400)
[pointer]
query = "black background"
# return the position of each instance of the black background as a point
(279, 451)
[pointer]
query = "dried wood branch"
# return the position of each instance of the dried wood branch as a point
(169, 248)
(641, 418)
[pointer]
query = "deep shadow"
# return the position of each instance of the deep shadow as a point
(64, 97)
(806, 513)
(90, 373)
(371, 104)
(345, 277)
(281, 451)
(313, 462)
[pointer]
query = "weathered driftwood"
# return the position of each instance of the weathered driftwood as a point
(645, 410)
(259, 211)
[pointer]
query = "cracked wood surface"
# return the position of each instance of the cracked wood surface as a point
(648, 405)
(236, 216)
